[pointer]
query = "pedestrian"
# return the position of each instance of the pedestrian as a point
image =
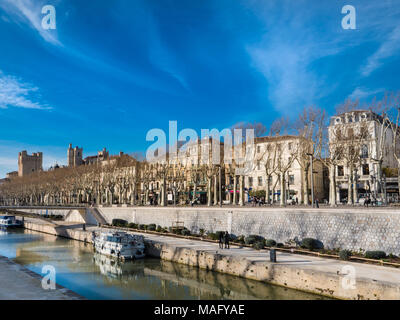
(297, 201)
(316, 203)
(221, 240)
(226, 240)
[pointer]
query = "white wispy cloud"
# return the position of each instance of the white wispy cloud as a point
(16, 93)
(362, 93)
(27, 11)
(388, 48)
(163, 57)
(285, 55)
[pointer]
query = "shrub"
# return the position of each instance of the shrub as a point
(375, 254)
(270, 243)
(185, 232)
(142, 226)
(133, 225)
(151, 227)
(202, 231)
(253, 238)
(280, 245)
(213, 236)
(344, 254)
(311, 244)
(232, 237)
(159, 228)
(178, 231)
(258, 245)
(119, 223)
(240, 239)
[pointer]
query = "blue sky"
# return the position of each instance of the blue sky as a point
(112, 70)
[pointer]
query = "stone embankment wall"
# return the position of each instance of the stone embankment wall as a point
(353, 228)
(350, 228)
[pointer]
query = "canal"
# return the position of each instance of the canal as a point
(97, 277)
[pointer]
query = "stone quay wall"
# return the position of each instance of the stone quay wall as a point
(350, 228)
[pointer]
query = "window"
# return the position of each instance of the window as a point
(258, 149)
(291, 179)
(290, 146)
(364, 151)
(250, 181)
(350, 133)
(260, 181)
(365, 169)
(340, 171)
(270, 179)
(258, 165)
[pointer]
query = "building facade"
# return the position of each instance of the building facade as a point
(362, 140)
(282, 163)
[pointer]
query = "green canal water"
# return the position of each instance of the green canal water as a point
(97, 277)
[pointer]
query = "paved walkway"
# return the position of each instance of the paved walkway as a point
(19, 283)
(365, 271)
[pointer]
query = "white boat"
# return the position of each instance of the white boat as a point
(7, 222)
(120, 245)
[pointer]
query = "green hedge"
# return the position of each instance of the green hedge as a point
(258, 245)
(133, 225)
(253, 238)
(344, 254)
(270, 243)
(311, 244)
(119, 223)
(375, 254)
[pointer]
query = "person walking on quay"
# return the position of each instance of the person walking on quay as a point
(226, 240)
(221, 240)
(316, 203)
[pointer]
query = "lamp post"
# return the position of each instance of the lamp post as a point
(312, 178)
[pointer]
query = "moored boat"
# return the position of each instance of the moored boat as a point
(120, 245)
(8, 222)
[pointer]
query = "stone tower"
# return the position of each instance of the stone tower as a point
(75, 156)
(28, 164)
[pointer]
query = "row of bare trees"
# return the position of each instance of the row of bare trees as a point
(302, 141)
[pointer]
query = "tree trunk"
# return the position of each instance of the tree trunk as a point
(234, 190)
(306, 199)
(241, 191)
(215, 190)
(349, 187)
(267, 190)
(283, 190)
(355, 191)
(209, 193)
(332, 186)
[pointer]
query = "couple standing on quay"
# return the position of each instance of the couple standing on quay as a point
(224, 239)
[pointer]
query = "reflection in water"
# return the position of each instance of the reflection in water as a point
(95, 276)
